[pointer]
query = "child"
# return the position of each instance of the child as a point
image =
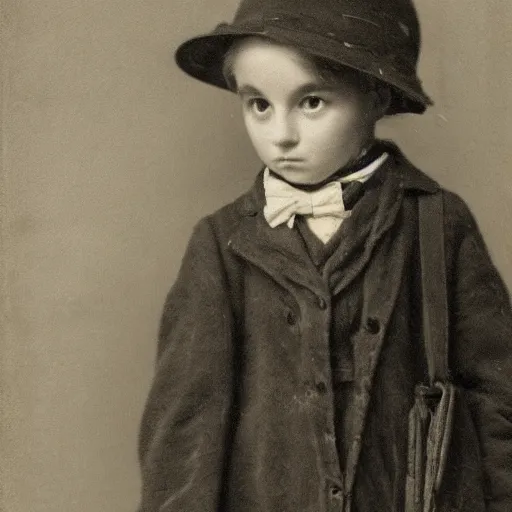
(290, 345)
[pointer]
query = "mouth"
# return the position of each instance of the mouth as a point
(288, 159)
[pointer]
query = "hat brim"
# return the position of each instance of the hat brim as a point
(202, 57)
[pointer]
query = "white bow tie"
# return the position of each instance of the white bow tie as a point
(284, 201)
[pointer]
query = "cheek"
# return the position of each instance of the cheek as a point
(334, 130)
(362, 113)
(352, 123)
(256, 133)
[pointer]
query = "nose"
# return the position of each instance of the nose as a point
(285, 134)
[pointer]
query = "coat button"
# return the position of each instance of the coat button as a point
(291, 318)
(321, 386)
(336, 492)
(309, 394)
(372, 325)
(321, 303)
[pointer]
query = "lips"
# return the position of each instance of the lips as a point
(287, 159)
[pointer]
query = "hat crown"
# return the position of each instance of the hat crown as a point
(383, 26)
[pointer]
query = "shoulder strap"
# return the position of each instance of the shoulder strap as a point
(433, 285)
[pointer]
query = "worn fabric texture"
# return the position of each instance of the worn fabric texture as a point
(285, 376)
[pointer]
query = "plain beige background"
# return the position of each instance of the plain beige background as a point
(109, 156)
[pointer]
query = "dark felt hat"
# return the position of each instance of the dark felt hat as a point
(378, 37)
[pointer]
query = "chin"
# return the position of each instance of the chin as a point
(301, 177)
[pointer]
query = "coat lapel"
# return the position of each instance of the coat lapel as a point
(279, 251)
(382, 284)
(392, 181)
(386, 251)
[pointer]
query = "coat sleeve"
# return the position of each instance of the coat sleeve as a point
(185, 425)
(482, 355)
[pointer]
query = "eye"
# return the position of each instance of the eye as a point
(312, 103)
(258, 105)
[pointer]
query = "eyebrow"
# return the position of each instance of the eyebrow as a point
(309, 87)
(248, 90)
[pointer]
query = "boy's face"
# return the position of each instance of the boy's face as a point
(302, 128)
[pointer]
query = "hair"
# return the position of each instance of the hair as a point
(227, 65)
(328, 71)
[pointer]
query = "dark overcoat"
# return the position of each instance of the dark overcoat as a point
(240, 416)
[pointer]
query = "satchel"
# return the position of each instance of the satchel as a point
(431, 417)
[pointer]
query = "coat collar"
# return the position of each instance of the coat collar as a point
(278, 251)
(409, 177)
(281, 254)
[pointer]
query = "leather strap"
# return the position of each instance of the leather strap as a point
(433, 285)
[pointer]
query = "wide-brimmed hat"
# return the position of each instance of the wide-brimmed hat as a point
(378, 37)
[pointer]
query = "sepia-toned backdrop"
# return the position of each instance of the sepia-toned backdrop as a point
(109, 155)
